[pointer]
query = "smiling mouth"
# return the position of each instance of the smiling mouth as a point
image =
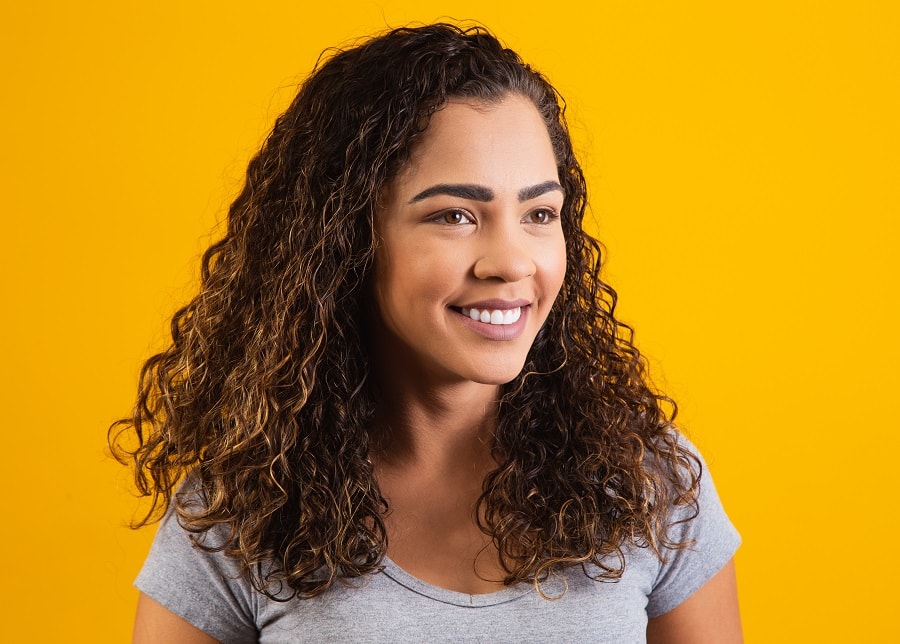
(493, 316)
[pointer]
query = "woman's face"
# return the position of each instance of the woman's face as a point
(470, 253)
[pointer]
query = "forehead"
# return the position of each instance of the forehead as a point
(491, 143)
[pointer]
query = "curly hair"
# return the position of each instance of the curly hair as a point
(264, 396)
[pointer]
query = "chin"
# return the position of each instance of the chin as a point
(499, 376)
(495, 368)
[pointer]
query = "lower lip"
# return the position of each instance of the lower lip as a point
(496, 331)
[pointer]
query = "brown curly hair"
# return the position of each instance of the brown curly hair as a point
(265, 398)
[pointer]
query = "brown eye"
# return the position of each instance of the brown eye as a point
(541, 216)
(454, 217)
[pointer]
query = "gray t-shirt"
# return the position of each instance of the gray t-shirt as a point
(207, 590)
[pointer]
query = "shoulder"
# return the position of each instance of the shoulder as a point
(185, 574)
(708, 537)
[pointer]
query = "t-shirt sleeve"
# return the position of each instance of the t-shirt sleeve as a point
(715, 542)
(204, 588)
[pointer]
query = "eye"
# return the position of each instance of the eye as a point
(541, 216)
(453, 217)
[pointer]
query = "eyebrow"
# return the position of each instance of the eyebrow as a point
(533, 192)
(483, 193)
(461, 190)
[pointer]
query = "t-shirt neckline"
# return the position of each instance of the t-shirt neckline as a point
(453, 597)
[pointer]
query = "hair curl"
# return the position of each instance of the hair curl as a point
(264, 394)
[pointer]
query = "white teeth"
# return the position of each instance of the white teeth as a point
(496, 316)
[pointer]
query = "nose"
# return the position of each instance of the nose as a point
(506, 257)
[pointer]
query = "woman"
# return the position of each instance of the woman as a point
(401, 407)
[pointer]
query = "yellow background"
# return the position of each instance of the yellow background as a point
(744, 162)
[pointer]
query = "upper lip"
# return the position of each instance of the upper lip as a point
(496, 304)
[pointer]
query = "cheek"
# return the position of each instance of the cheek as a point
(384, 283)
(554, 267)
(409, 280)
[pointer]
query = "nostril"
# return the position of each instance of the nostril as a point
(506, 266)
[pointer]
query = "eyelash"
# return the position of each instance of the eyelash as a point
(442, 216)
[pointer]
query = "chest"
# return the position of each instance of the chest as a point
(395, 606)
(433, 534)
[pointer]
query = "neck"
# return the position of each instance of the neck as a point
(436, 427)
